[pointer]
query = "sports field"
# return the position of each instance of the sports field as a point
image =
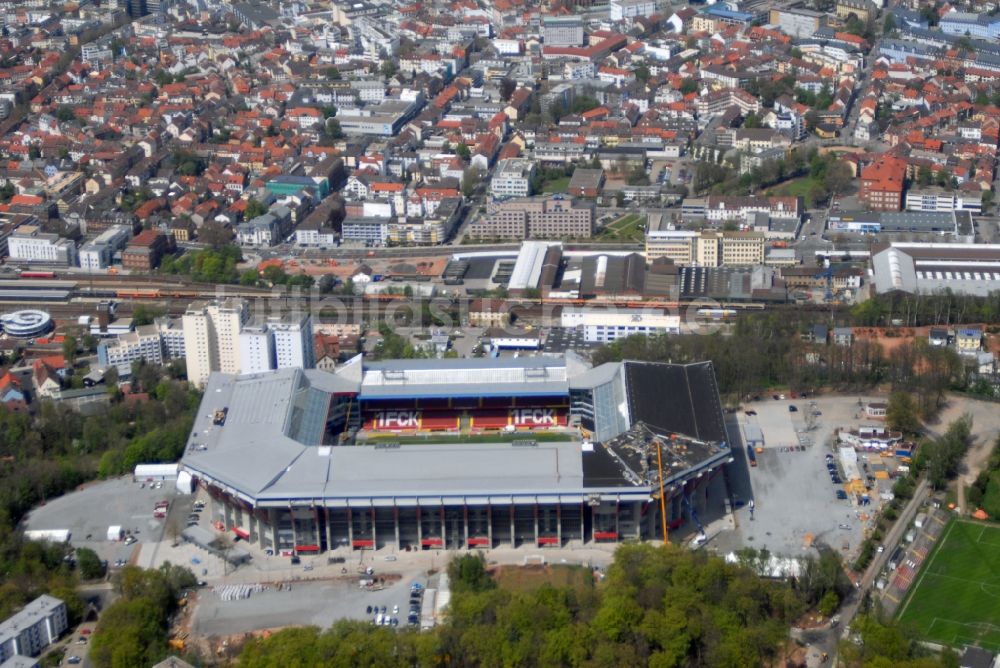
(956, 598)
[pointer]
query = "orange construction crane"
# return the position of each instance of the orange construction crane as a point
(663, 500)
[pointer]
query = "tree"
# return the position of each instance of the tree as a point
(889, 25)
(641, 72)
(471, 179)
(89, 564)
(854, 25)
(144, 315)
(584, 103)
(925, 175)
(249, 278)
(332, 129)
(215, 234)
(838, 177)
(828, 604)
(987, 199)
(507, 88)
(254, 208)
(388, 69)
(467, 573)
(901, 413)
(332, 73)
(637, 176)
(64, 114)
(463, 152)
(69, 348)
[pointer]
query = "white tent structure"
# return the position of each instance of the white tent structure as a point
(147, 472)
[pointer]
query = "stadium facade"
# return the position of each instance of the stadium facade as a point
(309, 461)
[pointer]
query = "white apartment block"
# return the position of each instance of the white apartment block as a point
(29, 244)
(212, 338)
(257, 348)
(606, 325)
(512, 178)
(142, 344)
(627, 9)
(293, 342)
(157, 344)
(37, 626)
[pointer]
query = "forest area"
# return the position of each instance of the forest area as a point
(52, 451)
(657, 606)
(767, 350)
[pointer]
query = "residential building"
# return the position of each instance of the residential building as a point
(146, 250)
(980, 26)
(862, 9)
(212, 336)
(293, 341)
(607, 325)
(562, 30)
(882, 184)
(512, 178)
(843, 336)
(630, 9)
(547, 217)
(969, 340)
(35, 627)
(256, 348)
(145, 343)
(797, 21)
(29, 244)
(489, 313)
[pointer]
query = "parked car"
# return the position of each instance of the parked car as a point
(792, 409)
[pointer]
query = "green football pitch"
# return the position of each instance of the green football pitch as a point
(956, 597)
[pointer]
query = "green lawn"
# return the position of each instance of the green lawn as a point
(795, 188)
(631, 227)
(956, 597)
(556, 185)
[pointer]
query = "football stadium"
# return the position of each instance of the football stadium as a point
(449, 453)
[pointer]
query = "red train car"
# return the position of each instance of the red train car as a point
(38, 274)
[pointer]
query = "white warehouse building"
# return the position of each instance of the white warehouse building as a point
(606, 325)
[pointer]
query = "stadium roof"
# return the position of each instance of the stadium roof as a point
(525, 376)
(678, 398)
(264, 437)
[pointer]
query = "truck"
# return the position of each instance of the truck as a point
(751, 456)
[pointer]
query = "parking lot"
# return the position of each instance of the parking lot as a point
(88, 512)
(795, 500)
(302, 603)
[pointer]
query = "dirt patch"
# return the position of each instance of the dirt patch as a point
(533, 576)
